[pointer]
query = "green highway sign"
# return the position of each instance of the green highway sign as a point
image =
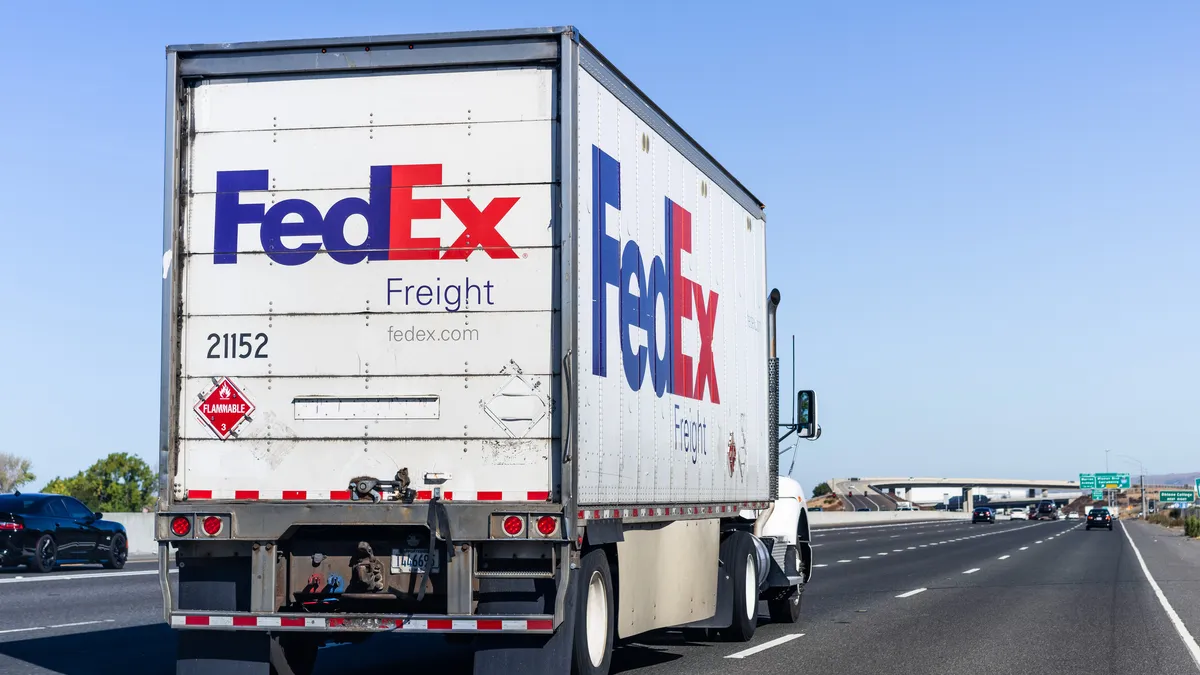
(1113, 480)
(1176, 496)
(1087, 481)
(1097, 494)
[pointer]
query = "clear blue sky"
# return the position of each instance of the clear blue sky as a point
(984, 217)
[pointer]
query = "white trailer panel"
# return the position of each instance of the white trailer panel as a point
(376, 277)
(474, 96)
(435, 343)
(672, 343)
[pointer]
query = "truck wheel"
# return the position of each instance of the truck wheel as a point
(293, 655)
(743, 573)
(786, 608)
(594, 621)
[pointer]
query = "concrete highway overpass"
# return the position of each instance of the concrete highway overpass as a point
(868, 492)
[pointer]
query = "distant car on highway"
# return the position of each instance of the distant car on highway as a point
(1099, 518)
(44, 531)
(1046, 510)
(1072, 515)
(862, 508)
(983, 514)
(1017, 514)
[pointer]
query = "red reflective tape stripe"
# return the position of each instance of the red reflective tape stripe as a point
(400, 622)
(538, 496)
(340, 494)
(334, 622)
(489, 624)
(440, 624)
(491, 496)
(539, 624)
(199, 494)
(581, 515)
(245, 494)
(424, 494)
(195, 620)
(245, 621)
(295, 494)
(447, 495)
(292, 621)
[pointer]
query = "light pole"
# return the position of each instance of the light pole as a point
(1106, 460)
(1142, 468)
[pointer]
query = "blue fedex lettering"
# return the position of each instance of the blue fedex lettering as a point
(639, 294)
(690, 435)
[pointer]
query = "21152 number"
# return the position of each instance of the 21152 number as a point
(237, 345)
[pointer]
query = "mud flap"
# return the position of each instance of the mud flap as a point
(501, 655)
(209, 652)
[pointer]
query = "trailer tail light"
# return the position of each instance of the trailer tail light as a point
(211, 526)
(514, 526)
(11, 527)
(181, 526)
(547, 526)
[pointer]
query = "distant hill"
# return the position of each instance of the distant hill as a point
(1188, 479)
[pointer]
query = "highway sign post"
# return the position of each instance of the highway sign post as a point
(1087, 481)
(1176, 496)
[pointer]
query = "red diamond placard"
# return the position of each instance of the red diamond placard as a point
(224, 408)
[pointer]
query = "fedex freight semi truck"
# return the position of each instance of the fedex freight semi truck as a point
(461, 335)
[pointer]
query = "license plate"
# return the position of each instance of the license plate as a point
(409, 561)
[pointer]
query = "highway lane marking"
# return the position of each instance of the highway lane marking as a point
(60, 625)
(924, 545)
(912, 593)
(1003, 557)
(1188, 640)
(76, 577)
(1038, 541)
(1024, 548)
(858, 540)
(893, 536)
(973, 570)
(821, 565)
(765, 646)
(880, 554)
(864, 557)
(912, 548)
(897, 550)
(844, 561)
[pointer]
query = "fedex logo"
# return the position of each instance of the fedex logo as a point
(389, 210)
(640, 290)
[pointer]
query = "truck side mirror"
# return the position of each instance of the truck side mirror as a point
(806, 409)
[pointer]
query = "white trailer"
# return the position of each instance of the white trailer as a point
(456, 329)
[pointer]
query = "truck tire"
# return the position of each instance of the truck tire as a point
(595, 618)
(786, 607)
(293, 654)
(737, 551)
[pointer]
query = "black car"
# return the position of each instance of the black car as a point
(44, 531)
(983, 514)
(1098, 518)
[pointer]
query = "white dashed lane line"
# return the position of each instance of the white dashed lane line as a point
(1003, 557)
(60, 625)
(765, 646)
(973, 570)
(912, 593)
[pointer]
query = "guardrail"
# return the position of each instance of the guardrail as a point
(819, 519)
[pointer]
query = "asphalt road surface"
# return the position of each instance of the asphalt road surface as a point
(947, 597)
